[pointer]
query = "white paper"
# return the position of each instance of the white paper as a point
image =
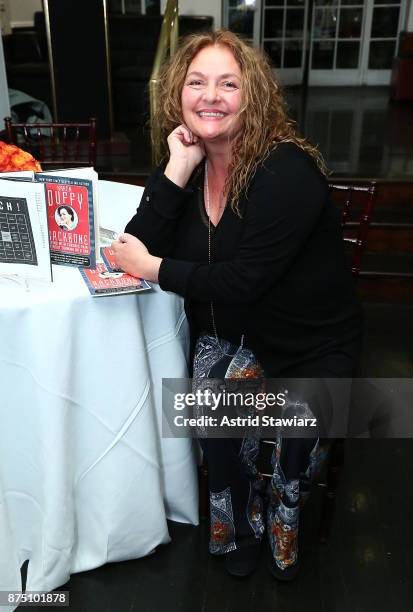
(33, 194)
(18, 174)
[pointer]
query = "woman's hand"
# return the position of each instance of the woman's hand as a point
(133, 257)
(186, 152)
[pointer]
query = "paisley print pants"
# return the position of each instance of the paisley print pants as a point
(242, 504)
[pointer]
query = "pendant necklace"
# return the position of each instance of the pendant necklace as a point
(208, 209)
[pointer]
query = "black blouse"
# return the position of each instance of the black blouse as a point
(279, 275)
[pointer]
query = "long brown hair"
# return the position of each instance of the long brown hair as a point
(263, 109)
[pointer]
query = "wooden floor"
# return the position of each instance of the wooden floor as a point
(357, 129)
(366, 566)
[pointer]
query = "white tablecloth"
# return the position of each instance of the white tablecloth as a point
(85, 476)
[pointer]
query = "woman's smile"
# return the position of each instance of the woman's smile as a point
(209, 115)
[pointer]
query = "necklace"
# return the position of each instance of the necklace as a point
(208, 208)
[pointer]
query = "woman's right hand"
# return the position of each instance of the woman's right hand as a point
(186, 152)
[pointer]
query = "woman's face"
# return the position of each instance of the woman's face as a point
(65, 217)
(211, 96)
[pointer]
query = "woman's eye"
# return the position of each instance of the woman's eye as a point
(229, 85)
(195, 83)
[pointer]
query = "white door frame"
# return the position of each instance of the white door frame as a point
(334, 77)
(379, 77)
(362, 75)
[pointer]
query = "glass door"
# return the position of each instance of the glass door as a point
(384, 20)
(136, 7)
(284, 36)
(244, 18)
(337, 41)
(353, 42)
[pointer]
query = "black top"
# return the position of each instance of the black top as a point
(279, 274)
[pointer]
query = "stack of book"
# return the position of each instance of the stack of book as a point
(53, 218)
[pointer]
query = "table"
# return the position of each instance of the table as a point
(85, 476)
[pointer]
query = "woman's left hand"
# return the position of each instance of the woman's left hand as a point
(133, 257)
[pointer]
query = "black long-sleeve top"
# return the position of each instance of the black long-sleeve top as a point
(278, 275)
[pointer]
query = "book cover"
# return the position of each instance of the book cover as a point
(108, 258)
(71, 220)
(90, 174)
(24, 245)
(100, 281)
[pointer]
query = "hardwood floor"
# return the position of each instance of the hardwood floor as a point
(357, 129)
(366, 566)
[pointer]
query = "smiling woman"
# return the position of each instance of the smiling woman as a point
(238, 221)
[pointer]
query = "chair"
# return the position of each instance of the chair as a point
(358, 222)
(356, 203)
(56, 145)
(366, 196)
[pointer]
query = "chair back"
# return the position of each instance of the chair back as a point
(56, 145)
(356, 203)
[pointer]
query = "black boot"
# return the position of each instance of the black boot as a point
(243, 561)
(284, 575)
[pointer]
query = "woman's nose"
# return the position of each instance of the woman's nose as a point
(211, 93)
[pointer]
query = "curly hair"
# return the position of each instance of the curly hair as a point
(263, 108)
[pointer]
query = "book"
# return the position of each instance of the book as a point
(63, 246)
(90, 174)
(102, 282)
(108, 258)
(71, 217)
(24, 244)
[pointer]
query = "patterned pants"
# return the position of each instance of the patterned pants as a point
(241, 503)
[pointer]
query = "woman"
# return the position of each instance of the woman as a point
(65, 217)
(238, 221)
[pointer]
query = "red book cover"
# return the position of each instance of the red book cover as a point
(100, 281)
(71, 222)
(108, 256)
